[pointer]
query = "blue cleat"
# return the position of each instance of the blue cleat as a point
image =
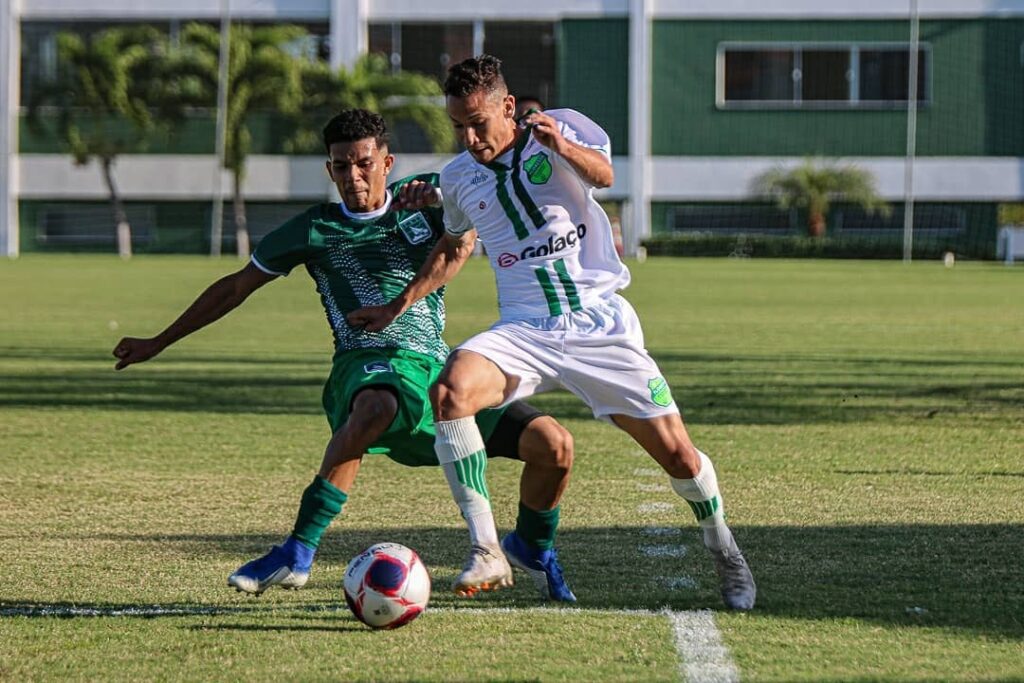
(541, 565)
(286, 565)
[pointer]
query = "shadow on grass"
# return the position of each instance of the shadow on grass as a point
(710, 388)
(961, 577)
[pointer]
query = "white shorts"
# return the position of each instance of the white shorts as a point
(597, 353)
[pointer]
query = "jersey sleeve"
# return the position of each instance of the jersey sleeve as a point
(575, 127)
(456, 222)
(285, 247)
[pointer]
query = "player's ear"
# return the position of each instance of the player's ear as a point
(509, 106)
(330, 171)
(389, 162)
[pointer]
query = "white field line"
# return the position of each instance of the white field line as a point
(677, 582)
(703, 656)
(647, 472)
(140, 611)
(651, 488)
(661, 531)
(648, 508)
(177, 611)
(663, 550)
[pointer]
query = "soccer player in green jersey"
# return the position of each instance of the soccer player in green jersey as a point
(364, 251)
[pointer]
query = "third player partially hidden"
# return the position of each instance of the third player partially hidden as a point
(527, 192)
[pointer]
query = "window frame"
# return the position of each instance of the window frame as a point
(798, 47)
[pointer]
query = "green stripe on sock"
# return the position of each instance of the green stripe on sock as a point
(704, 509)
(321, 503)
(570, 287)
(554, 307)
(471, 472)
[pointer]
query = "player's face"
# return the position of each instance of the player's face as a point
(360, 170)
(484, 123)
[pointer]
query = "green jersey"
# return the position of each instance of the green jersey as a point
(364, 260)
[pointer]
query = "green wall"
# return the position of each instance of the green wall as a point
(977, 87)
(195, 136)
(593, 74)
(177, 227)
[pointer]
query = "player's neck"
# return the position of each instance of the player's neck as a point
(512, 140)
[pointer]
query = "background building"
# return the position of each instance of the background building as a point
(698, 96)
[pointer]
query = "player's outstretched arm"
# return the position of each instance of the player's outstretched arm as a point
(216, 301)
(591, 165)
(445, 260)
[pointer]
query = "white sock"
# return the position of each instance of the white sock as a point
(460, 450)
(705, 500)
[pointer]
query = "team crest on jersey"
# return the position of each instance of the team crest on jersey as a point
(538, 168)
(377, 366)
(660, 393)
(478, 177)
(415, 228)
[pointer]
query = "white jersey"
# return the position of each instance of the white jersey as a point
(549, 241)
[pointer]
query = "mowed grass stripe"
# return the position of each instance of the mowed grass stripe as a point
(865, 420)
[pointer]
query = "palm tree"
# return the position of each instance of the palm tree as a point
(263, 75)
(370, 84)
(108, 88)
(812, 187)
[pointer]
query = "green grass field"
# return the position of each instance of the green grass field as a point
(866, 420)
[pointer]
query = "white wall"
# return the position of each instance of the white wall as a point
(278, 178)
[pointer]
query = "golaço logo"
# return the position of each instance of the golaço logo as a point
(552, 246)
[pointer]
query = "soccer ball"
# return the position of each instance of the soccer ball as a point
(386, 585)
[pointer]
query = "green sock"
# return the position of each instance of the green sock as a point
(537, 528)
(321, 503)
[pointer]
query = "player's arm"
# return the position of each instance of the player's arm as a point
(215, 302)
(592, 165)
(445, 260)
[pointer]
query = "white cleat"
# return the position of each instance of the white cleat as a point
(486, 569)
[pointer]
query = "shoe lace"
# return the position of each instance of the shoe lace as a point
(476, 551)
(554, 569)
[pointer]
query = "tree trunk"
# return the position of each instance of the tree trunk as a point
(816, 224)
(241, 224)
(124, 229)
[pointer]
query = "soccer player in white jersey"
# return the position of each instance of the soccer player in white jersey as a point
(527, 193)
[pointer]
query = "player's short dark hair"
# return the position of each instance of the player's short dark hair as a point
(480, 73)
(356, 124)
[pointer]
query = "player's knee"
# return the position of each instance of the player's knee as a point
(558, 448)
(449, 400)
(373, 409)
(682, 460)
(562, 449)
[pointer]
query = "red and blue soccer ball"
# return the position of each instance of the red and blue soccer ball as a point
(386, 585)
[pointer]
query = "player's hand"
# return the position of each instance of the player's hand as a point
(132, 350)
(373, 318)
(416, 195)
(545, 129)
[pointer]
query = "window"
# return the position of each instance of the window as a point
(528, 50)
(424, 48)
(819, 75)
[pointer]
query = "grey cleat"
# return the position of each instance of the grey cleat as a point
(738, 589)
